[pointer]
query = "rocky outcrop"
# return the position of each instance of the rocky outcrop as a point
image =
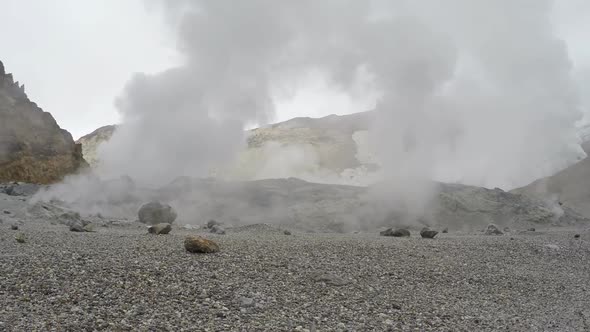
(33, 148)
(566, 190)
(92, 141)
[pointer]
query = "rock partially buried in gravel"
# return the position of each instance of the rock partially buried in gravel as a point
(14, 227)
(493, 230)
(154, 213)
(20, 238)
(286, 232)
(70, 218)
(77, 227)
(329, 279)
(446, 230)
(428, 233)
(216, 229)
(197, 244)
(532, 229)
(80, 228)
(247, 302)
(401, 232)
(162, 228)
(89, 228)
(577, 236)
(212, 223)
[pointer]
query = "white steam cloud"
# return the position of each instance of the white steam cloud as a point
(472, 91)
(477, 92)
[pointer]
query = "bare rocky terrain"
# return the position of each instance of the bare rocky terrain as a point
(320, 277)
(120, 278)
(288, 255)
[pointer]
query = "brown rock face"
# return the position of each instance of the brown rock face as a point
(33, 148)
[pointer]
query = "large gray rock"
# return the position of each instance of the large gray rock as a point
(493, 230)
(155, 213)
(428, 233)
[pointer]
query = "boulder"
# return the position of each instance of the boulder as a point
(212, 223)
(162, 228)
(216, 229)
(197, 244)
(155, 213)
(77, 227)
(71, 218)
(401, 232)
(493, 230)
(427, 233)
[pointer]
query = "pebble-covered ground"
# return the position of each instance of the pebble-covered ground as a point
(122, 279)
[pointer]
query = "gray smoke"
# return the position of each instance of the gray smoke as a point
(478, 92)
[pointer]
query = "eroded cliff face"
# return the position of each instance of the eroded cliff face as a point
(92, 141)
(33, 148)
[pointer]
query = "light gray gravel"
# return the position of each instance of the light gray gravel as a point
(120, 278)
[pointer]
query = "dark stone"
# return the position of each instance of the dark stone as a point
(427, 233)
(162, 228)
(577, 236)
(446, 230)
(532, 229)
(493, 230)
(401, 232)
(216, 229)
(14, 227)
(211, 223)
(77, 227)
(155, 213)
(286, 232)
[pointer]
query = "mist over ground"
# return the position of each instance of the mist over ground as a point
(472, 92)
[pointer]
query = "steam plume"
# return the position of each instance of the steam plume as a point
(477, 92)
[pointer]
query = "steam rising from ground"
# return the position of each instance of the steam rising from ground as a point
(477, 92)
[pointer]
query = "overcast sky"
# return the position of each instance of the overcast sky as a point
(75, 56)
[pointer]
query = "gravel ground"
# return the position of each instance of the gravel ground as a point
(120, 278)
